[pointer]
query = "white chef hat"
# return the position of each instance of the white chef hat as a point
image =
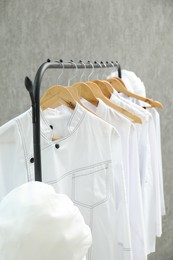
(36, 223)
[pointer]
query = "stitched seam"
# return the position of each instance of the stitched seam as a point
(71, 172)
(94, 205)
(77, 126)
(85, 174)
(68, 136)
(71, 118)
(98, 203)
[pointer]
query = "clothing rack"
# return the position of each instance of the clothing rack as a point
(34, 91)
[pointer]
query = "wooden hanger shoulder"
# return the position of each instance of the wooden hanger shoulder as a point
(119, 87)
(100, 95)
(104, 88)
(57, 95)
(121, 81)
(85, 92)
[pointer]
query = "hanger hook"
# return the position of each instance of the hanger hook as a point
(91, 71)
(104, 74)
(96, 62)
(83, 73)
(62, 63)
(69, 80)
(103, 66)
(113, 64)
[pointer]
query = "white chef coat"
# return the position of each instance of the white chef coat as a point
(85, 164)
(134, 84)
(128, 136)
(155, 161)
(146, 173)
(140, 90)
(39, 224)
(156, 120)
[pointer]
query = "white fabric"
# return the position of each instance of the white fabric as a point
(157, 135)
(146, 172)
(156, 118)
(156, 159)
(132, 82)
(132, 176)
(39, 224)
(87, 167)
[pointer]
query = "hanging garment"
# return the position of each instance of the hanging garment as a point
(134, 84)
(156, 120)
(39, 224)
(155, 164)
(146, 173)
(85, 163)
(128, 136)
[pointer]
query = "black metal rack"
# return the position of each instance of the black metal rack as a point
(34, 91)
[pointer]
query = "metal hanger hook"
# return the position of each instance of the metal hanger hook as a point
(103, 66)
(83, 73)
(96, 62)
(104, 74)
(113, 65)
(62, 63)
(91, 71)
(69, 80)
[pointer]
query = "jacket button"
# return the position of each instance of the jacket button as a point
(32, 160)
(51, 126)
(57, 146)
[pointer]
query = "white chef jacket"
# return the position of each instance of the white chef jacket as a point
(85, 164)
(141, 91)
(39, 224)
(156, 120)
(128, 136)
(134, 84)
(155, 158)
(146, 173)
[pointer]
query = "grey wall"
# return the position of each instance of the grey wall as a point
(137, 33)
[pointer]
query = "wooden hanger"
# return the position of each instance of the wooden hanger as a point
(98, 93)
(109, 86)
(105, 87)
(56, 96)
(120, 80)
(59, 95)
(118, 85)
(85, 92)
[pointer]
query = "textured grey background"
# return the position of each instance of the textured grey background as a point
(137, 33)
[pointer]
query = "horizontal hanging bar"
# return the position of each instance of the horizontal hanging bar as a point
(81, 65)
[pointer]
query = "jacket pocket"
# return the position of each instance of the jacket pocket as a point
(90, 185)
